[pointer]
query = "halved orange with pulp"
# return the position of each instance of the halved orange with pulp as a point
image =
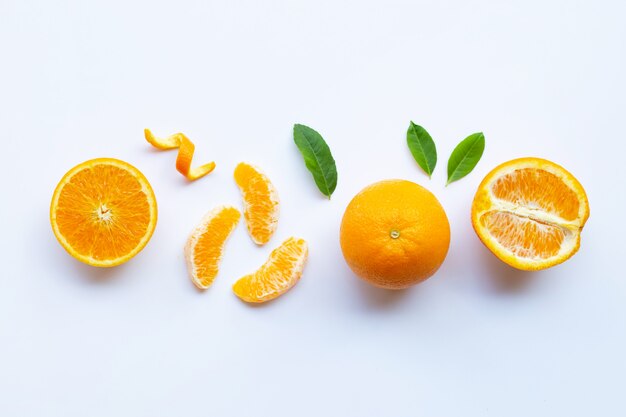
(103, 212)
(530, 212)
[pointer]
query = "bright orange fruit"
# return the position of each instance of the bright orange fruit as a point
(261, 206)
(205, 245)
(277, 275)
(529, 212)
(103, 212)
(394, 234)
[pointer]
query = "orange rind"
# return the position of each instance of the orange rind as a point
(394, 234)
(186, 149)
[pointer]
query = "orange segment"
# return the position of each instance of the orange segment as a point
(261, 206)
(186, 149)
(529, 212)
(521, 187)
(524, 237)
(277, 275)
(103, 212)
(205, 245)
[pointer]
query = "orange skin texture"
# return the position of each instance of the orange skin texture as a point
(186, 149)
(548, 197)
(394, 208)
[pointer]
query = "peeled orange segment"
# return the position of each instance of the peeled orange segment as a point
(261, 206)
(186, 149)
(203, 251)
(277, 275)
(103, 212)
(530, 212)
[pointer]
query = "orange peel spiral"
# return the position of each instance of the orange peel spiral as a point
(185, 154)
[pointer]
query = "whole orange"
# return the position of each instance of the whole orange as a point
(394, 234)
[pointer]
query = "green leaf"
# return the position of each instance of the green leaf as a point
(317, 157)
(422, 147)
(465, 156)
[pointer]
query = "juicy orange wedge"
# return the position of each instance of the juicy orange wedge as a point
(186, 149)
(205, 245)
(530, 212)
(261, 206)
(277, 275)
(103, 212)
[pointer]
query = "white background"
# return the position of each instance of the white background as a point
(80, 80)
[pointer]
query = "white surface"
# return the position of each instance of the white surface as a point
(82, 80)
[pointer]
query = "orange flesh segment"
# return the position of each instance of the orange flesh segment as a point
(103, 213)
(277, 275)
(206, 244)
(186, 149)
(261, 206)
(524, 237)
(538, 189)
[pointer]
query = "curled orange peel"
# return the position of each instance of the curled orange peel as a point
(185, 154)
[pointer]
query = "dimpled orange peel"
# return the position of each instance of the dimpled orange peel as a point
(530, 212)
(186, 149)
(394, 234)
(103, 212)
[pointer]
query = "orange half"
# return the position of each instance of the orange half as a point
(103, 212)
(261, 206)
(204, 248)
(277, 275)
(530, 212)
